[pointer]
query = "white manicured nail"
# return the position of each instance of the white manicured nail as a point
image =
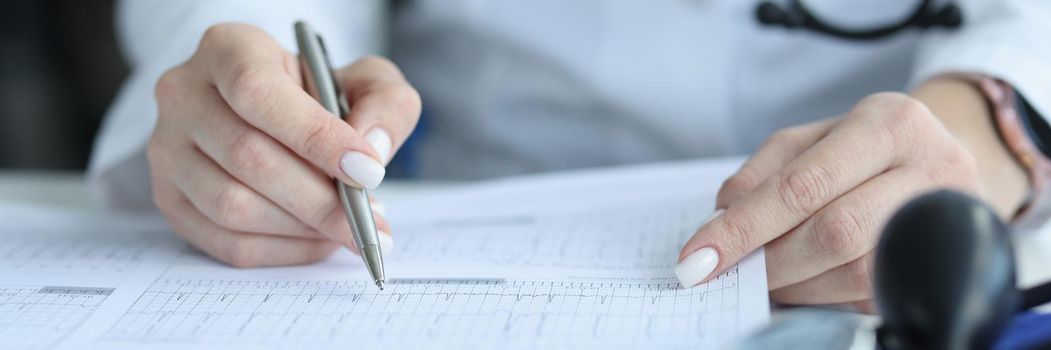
(379, 208)
(380, 141)
(386, 243)
(362, 169)
(696, 267)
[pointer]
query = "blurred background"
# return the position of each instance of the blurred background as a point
(61, 67)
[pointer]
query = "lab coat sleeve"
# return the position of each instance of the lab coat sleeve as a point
(156, 35)
(1006, 39)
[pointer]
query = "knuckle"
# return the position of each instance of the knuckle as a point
(806, 189)
(838, 233)
(247, 152)
(222, 34)
(216, 33)
(378, 63)
(318, 132)
(233, 208)
(240, 253)
(154, 152)
(739, 237)
(405, 99)
(163, 201)
(959, 168)
(959, 156)
(250, 84)
(859, 276)
(906, 116)
(159, 154)
(320, 251)
(911, 108)
(739, 183)
(329, 213)
(167, 86)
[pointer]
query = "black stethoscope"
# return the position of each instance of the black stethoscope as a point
(797, 15)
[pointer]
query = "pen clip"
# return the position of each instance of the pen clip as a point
(341, 96)
(318, 76)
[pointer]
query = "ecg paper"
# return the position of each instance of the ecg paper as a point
(39, 317)
(47, 252)
(58, 269)
(580, 272)
(487, 312)
(569, 261)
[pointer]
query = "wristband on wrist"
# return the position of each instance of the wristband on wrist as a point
(1028, 137)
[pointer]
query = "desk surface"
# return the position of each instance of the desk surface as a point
(67, 190)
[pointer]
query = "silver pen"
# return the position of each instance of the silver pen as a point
(321, 83)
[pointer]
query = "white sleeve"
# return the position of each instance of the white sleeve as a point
(156, 35)
(1006, 39)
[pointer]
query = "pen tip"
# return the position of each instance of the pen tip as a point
(379, 283)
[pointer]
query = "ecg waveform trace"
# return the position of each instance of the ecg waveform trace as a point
(492, 311)
(39, 317)
(629, 237)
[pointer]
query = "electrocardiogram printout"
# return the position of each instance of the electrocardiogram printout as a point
(39, 317)
(58, 269)
(580, 272)
(581, 260)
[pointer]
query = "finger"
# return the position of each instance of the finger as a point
(821, 174)
(277, 173)
(379, 212)
(225, 200)
(782, 147)
(378, 207)
(241, 249)
(248, 250)
(381, 222)
(384, 231)
(867, 306)
(383, 104)
(847, 283)
(843, 230)
(260, 91)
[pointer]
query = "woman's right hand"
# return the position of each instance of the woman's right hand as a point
(242, 158)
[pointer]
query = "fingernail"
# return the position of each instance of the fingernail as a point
(362, 169)
(696, 267)
(380, 141)
(386, 243)
(379, 208)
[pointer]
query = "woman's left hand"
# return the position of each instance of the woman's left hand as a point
(817, 196)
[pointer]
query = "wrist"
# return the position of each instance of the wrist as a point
(964, 110)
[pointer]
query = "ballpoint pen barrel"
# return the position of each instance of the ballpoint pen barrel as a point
(359, 214)
(321, 83)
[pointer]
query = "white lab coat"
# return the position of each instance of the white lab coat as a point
(527, 86)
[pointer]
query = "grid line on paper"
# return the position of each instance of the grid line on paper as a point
(88, 253)
(293, 312)
(617, 238)
(40, 317)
